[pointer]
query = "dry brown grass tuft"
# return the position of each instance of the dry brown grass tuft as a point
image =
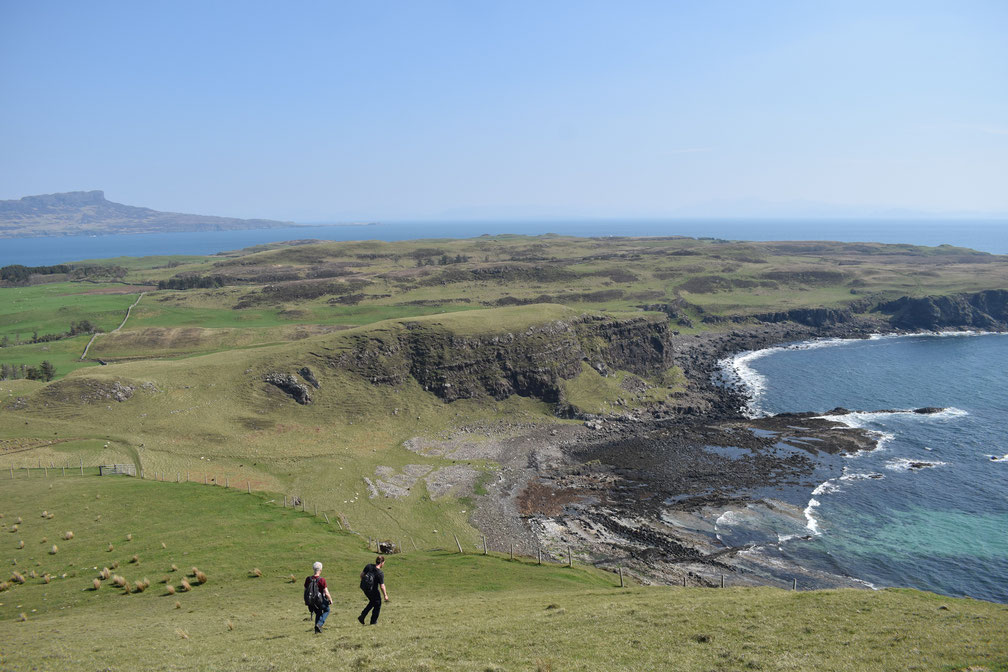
(174, 567)
(13, 529)
(170, 589)
(192, 572)
(115, 564)
(104, 573)
(230, 625)
(118, 580)
(256, 572)
(184, 586)
(181, 633)
(163, 545)
(24, 617)
(135, 560)
(19, 521)
(32, 574)
(129, 537)
(95, 584)
(45, 514)
(45, 540)
(46, 578)
(51, 515)
(54, 549)
(17, 578)
(141, 586)
(111, 548)
(178, 605)
(201, 578)
(127, 588)
(5, 585)
(21, 544)
(68, 535)
(291, 578)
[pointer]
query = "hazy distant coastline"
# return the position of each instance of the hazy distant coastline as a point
(78, 213)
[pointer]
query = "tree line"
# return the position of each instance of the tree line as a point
(44, 371)
(79, 327)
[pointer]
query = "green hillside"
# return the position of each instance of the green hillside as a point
(448, 611)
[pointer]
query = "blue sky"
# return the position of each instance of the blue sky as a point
(329, 111)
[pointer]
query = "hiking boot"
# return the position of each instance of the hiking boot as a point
(317, 629)
(361, 619)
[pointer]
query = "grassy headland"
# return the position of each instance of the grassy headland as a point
(408, 339)
(448, 611)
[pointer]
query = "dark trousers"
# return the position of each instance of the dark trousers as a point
(374, 606)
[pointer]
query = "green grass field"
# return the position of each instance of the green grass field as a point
(448, 611)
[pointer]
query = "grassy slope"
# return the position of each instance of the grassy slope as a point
(449, 612)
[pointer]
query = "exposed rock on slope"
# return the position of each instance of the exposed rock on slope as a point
(983, 310)
(530, 363)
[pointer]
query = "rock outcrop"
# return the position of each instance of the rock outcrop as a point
(530, 363)
(298, 391)
(983, 310)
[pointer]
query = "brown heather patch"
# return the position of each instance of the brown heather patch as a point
(201, 578)
(184, 586)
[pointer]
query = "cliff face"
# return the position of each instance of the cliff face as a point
(983, 310)
(529, 363)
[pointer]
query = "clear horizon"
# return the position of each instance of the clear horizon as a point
(321, 112)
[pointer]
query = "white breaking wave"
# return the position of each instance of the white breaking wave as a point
(813, 524)
(901, 464)
(995, 458)
(860, 419)
(856, 476)
(826, 488)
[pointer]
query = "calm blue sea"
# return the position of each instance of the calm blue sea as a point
(986, 235)
(926, 509)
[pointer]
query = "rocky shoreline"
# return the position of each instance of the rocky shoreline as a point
(644, 490)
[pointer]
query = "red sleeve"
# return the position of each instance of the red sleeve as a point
(321, 584)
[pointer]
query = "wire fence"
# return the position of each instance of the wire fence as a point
(381, 546)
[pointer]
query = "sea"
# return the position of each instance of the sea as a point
(984, 235)
(928, 507)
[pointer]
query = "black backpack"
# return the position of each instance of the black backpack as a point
(367, 579)
(314, 598)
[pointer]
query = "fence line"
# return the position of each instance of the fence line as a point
(372, 542)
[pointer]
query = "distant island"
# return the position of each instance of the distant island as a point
(78, 213)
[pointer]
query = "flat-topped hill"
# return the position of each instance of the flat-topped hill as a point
(89, 212)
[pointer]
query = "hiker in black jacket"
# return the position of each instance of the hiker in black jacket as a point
(373, 585)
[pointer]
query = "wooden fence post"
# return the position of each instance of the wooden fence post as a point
(316, 510)
(620, 577)
(570, 558)
(684, 581)
(457, 543)
(539, 553)
(64, 470)
(794, 584)
(248, 485)
(82, 466)
(512, 550)
(187, 477)
(326, 518)
(227, 484)
(722, 580)
(484, 545)
(45, 472)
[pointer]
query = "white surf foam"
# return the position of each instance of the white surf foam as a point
(902, 464)
(995, 458)
(857, 476)
(826, 488)
(812, 524)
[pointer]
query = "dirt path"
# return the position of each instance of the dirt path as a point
(121, 325)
